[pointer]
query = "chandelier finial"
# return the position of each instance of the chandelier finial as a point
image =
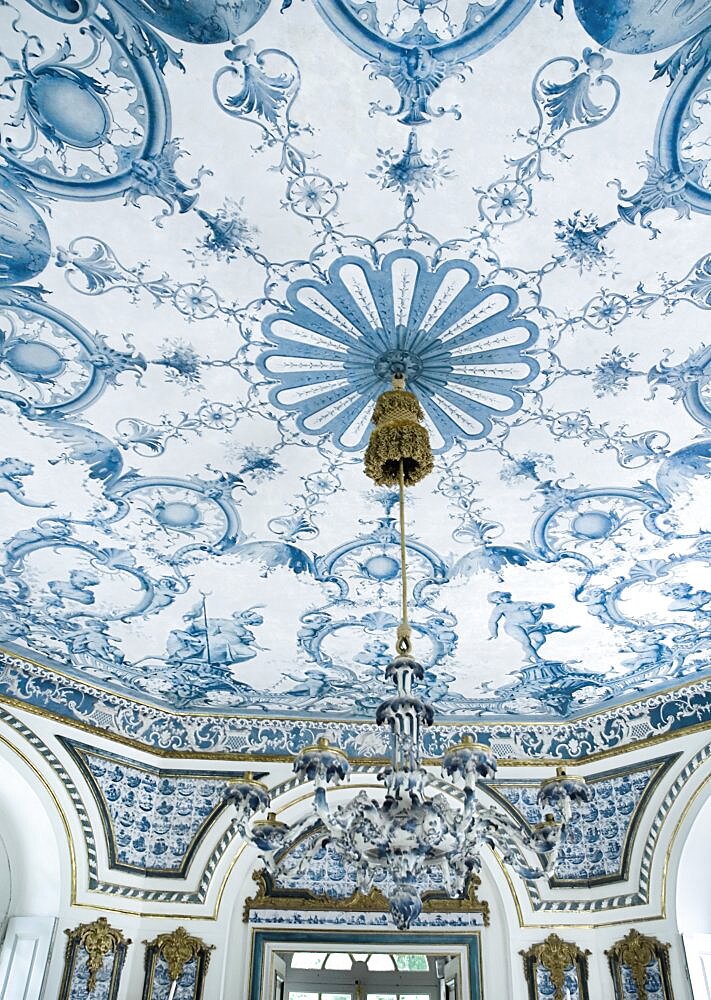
(399, 453)
(399, 439)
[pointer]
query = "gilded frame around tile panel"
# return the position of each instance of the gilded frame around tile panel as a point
(176, 949)
(557, 956)
(93, 943)
(270, 896)
(636, 952)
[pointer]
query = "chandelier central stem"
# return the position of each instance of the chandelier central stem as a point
(409, 835)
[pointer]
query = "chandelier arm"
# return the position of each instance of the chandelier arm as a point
(543, 841)
(525, 835)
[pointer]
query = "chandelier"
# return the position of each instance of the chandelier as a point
(420, 825)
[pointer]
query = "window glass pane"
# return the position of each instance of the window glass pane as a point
(338, 960)
(307, 960)
(415, 996)
(411, 963)
(384, 996)
(336, 996)
(380, 963)
(297, 995)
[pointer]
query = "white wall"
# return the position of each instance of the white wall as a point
(30, 878)
(693, 900)
(5, 885)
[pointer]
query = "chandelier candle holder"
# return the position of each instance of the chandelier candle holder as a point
(420, 824)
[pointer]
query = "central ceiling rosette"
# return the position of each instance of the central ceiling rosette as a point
(337, 344)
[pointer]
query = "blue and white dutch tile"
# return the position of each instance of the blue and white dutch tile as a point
(183, 506)
(653, 983)
(154, 819)
(545, 988)
(592, 847)
(78, 989)
(187, 984)
(327, 872)
(338, 918)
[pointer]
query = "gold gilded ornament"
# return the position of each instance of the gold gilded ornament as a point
(178, 948)
(637, 952)
(399, 445)
(98, 939)
(271, 897)
(557, 956)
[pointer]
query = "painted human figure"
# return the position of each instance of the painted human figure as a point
(685, 598)
(316, 684)
(522, 622)
(78, 588)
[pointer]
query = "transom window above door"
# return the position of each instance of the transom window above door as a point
(375, 962)
(398, 996)
(299, 995)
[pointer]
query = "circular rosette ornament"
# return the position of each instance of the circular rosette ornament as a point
(468, 761)
(560, 793)
(337, 343)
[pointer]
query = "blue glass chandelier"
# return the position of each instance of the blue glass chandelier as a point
(419, 824)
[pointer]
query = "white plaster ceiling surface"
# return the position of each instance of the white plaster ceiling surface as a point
(224, 225)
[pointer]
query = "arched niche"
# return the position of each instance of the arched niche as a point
(692, 896)
(31, 876)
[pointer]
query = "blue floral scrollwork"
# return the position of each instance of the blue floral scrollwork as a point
(337, 344)
(49, 364)
(677, 170)
(86, 109)
(419, 45)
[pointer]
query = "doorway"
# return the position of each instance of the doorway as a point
(361, 975)
(332, 965)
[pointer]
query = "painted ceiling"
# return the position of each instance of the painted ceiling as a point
(224, 225)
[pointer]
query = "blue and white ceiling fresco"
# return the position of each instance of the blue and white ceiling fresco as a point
(224, 225)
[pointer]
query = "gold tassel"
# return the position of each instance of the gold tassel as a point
(398, 437)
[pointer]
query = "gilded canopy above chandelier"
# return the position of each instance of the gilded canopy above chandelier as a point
(418, 824)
